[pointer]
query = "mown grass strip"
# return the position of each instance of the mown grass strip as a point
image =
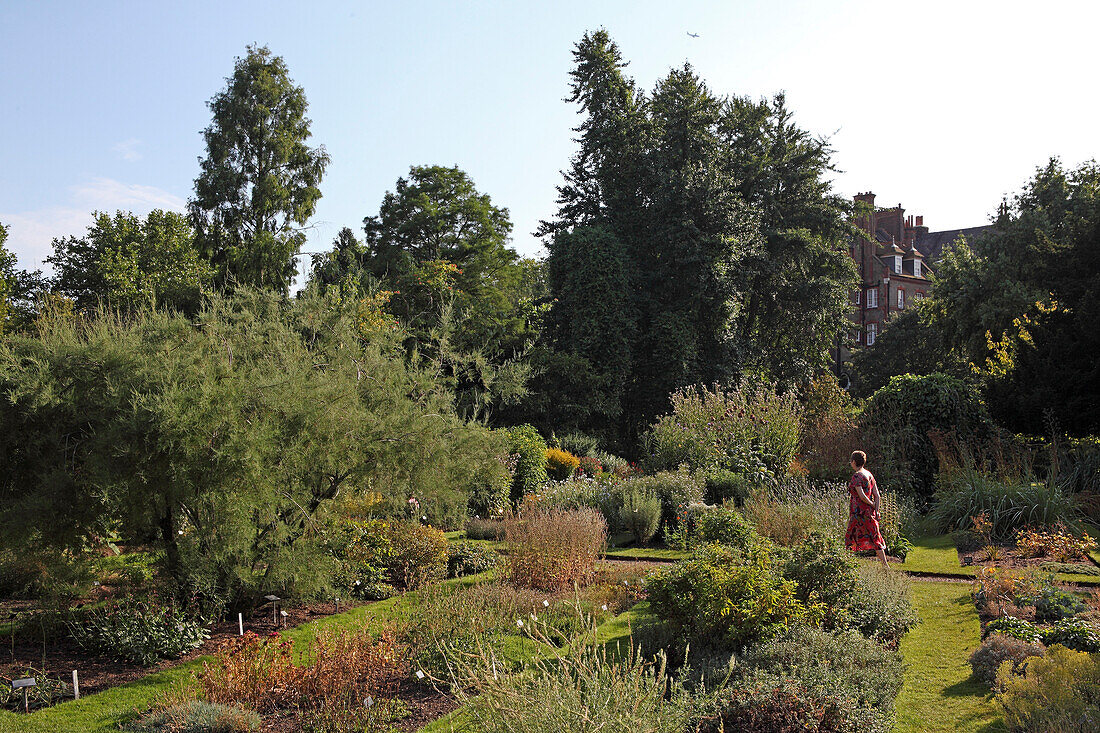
(939, 694)
(104, 711)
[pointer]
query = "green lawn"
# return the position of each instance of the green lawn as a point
(938, 694)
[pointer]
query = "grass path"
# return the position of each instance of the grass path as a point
(938, 694)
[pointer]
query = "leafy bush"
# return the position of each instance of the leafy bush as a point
(365, 554)
(640, 514)
(553, 549)
(784, 523)
(418, 553)
(197, 716)
(485, 529)
(561, 464)
(998, 649)
(768, 703)
(724, 525)
(720, 594)
(137, 632)
(1072, 633)
(880, 607)
(466, 558)
(602, 493)
(578, 444)
(969, 492)
(1058, 543)
(1054, 604)
(1072, 568)
(614, 464)
(751, 430)
(590, 466)
(909, 407)
(527, 445)
(1015, 628)
(492, 488)
(340, 669)
(823, 570)
(852, 684)
(722, 486)
(676, 489)
(1056, 694)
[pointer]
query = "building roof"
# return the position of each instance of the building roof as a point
(932, 244)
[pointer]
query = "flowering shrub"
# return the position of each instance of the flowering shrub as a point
(750, 430)
(137, 632)
(1058, 543)
(552, 549)
(418, 554)
(590, 466)
(561, 464)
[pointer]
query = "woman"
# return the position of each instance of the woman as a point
(864, 503)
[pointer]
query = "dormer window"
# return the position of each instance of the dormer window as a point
(897, 263)
(916, 268)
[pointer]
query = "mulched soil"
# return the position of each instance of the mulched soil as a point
(1011, 557)
(101, 673)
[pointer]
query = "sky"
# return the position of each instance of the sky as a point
(944, 107)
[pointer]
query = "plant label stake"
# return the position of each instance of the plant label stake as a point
(76, 686)
(337, 605)
(24, 684)
(273, 599)
(283, 614)
(240, 622)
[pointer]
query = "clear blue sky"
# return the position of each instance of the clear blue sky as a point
(942, 106)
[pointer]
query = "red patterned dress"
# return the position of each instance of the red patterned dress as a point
(863, 533)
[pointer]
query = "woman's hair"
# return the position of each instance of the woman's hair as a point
(859, 458)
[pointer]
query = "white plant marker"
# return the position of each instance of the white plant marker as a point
(420, 674)
(240, 623)
(76, 686)
(369, 701)
(546, 604)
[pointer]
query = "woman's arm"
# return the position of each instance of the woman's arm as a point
(877, 497)
(862, 495)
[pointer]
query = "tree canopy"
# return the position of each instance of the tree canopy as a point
(259, 181)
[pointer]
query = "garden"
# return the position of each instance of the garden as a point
(703, 587)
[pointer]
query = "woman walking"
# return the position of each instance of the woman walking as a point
(864, 504)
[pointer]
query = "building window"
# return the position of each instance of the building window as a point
(897, 263)
(855, 298)
(916, 268)
(918, 297)
(853, 336)
(872, 331)
(872, 298)
(901, 299)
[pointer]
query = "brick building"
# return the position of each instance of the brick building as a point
(894, 258)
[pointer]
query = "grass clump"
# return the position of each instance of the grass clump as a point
(554, 549)
(640, 514)
(197, 716)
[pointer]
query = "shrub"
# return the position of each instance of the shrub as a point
(1056, 694)
(589, 466)
(603, 493)
(419, 554)
(365, 554)
(997, 590)
(831, 667)
(578, 444)
(722, 486)
(784, 523)
(1057, 543)
(137, 632)
(1072, 568)
(197, 716)
(724, 525)
(751, 430)
(998, 649)
(640, 514)
(614, 464)
(1010, 505)
(1054, 604)
(823, 570)
(909, 407)
(492, 487)
(485, 529)
(527, 445)
(714, 595)
(1072, 633)
(340, 669)
(829, 429)
(553, 549)
(880, 607)
(560, 464)
(466, 558)
(771, 703)
(676, 489)
(1015, 628)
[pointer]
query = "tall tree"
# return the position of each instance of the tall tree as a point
(259, 181)
(125, 260)
(20, 290)
(796, 304)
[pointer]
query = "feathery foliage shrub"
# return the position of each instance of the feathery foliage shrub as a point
(640, 514)
(197, 716)
(552, 549)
